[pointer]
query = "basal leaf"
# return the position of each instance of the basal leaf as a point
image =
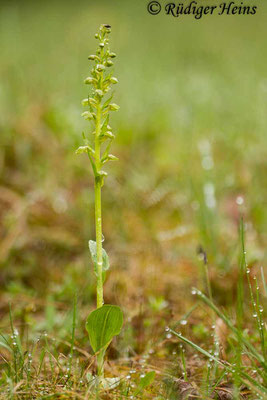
(103, 324)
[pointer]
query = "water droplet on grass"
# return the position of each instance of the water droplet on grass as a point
(207, 163)
(239, 200)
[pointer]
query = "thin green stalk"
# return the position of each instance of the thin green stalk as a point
(242, 266)
(184, 364)
(208, 379)
(17, 349)
(237, 332)
(98, 211)
(240, 300)
(98, 230)
(98, 111)
(259, 311)
(214, 371)
(263, 281)
(244, 377)
(100, 363)
(74, 314)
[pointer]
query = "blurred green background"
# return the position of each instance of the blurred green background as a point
(191, 138)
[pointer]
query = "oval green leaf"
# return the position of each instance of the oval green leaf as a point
(102, 325)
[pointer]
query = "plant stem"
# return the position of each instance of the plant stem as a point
(100, 363)
(101, 81)
(98, 229)
(98, 216)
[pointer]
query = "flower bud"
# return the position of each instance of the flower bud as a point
(97, 36)
(112, 55)
(109, 63)
(99, 92)
(102, 173)
(85, 102)
(89, 80)
(113, 107)
(100, 67)
(92, 101)
(92, 57)
(101, 44)
(105, 28)
(111, 157)
(84, 149)
(114, 80)
(87, 115)
(109, 134)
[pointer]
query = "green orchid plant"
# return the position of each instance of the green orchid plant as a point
(106, 321)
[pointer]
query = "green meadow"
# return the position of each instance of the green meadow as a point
(184, 209)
